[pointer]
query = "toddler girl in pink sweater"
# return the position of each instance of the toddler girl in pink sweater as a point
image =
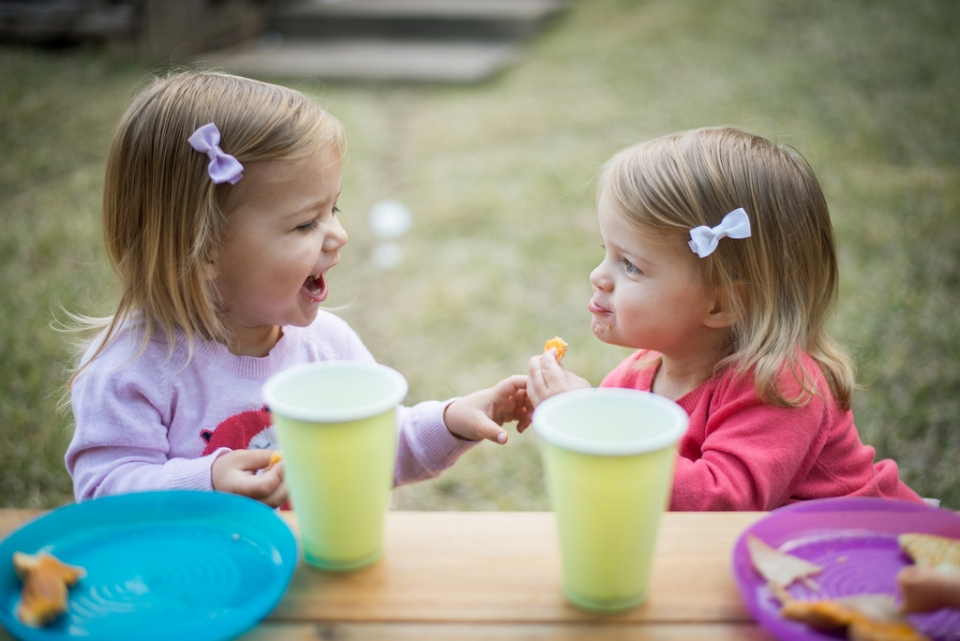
(720, 268)
(220, 218)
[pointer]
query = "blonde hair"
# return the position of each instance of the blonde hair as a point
(162, 217)
(781, 282)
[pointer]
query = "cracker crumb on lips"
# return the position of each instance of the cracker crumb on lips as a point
(600, 329)
(599, 312)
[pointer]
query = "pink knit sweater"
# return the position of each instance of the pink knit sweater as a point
(740, 453)
(158, 420)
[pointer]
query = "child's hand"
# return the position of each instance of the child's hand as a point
(236, 472)
(926, 589)
(480, 415)
(549, 378)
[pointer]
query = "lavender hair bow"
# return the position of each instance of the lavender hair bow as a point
(223, 167)
(704, 239)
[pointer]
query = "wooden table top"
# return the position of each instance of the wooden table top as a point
(496, 575)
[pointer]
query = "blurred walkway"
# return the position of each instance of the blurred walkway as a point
(390, 40)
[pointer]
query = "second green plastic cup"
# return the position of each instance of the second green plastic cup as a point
(608, 456)
(336, 423)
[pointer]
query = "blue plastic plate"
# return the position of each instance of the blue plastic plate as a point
(160, 565)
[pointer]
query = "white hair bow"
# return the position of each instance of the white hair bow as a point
(704, 239)
(223, 167)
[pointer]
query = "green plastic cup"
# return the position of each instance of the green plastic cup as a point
(608, 457)
(337, 426)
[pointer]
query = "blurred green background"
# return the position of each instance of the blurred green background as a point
(500, 180)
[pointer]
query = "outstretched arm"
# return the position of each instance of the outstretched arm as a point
(480, 415)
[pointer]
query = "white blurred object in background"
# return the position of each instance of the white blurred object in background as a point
(389, 220)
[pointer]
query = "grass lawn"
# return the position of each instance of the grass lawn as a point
(500, 180)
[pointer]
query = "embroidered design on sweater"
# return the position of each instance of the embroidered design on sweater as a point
(250, 430)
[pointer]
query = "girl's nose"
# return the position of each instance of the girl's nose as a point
(336, 236)
(600, 279)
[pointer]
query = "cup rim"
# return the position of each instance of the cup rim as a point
(275, 404)
(623, 448)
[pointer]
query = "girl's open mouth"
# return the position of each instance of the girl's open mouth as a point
(316, 287)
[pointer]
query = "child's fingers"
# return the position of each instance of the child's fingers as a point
(252, 460)
(495, 434)
(535, 371)
(523, 406)
(524, 419)
(925, 589)
(268, 487)
(273, 492)
(278, 496)
(276, 469)
(550, 364)
(510, 386)
(509, 409)
(547, 362)
(489, 430)
(524, 411)
(545, 374)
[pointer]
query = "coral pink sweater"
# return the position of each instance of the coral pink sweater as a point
(740, 453)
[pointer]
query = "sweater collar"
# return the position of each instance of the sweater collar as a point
(653, 362)
(254, 367)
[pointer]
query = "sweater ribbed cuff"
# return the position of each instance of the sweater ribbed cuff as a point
(193, 474)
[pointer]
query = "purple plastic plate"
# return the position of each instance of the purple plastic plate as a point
(855, 540)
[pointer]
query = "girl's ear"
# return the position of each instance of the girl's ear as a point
(210, 267)
(720, 318)
(724, 312)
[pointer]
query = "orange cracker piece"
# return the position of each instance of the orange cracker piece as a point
(556, 343)
(275, 458)
(45, 582)
(931, 551)
(865, 617)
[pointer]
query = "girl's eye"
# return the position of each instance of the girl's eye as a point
(336, 210)
(629, 267)
(307, 227)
